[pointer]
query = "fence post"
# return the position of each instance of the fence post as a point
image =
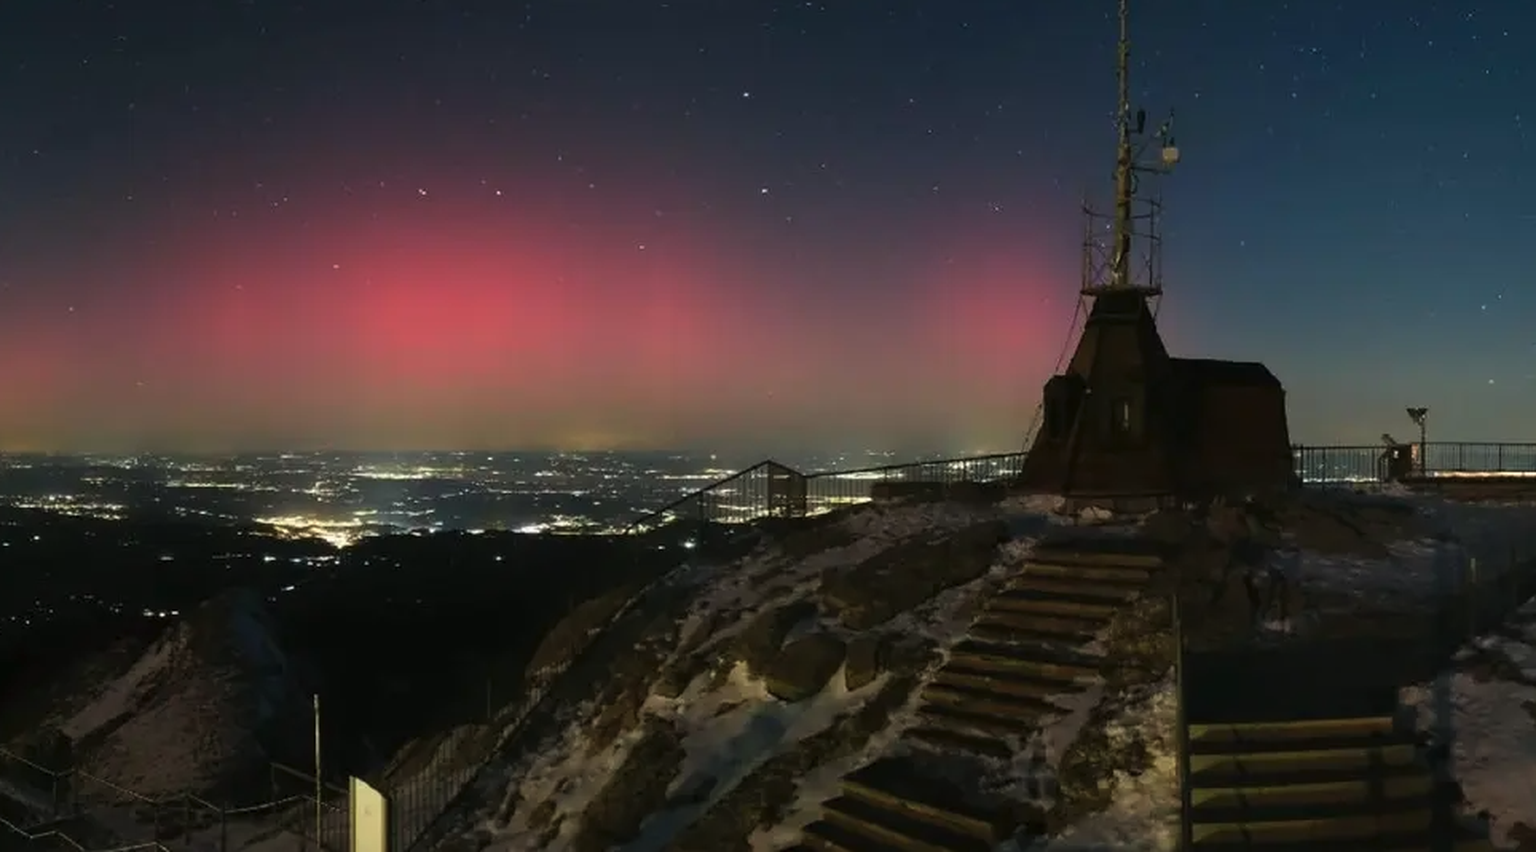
(224, 829)
(1181, 736)
(186, 820)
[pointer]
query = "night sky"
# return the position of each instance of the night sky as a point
(264, 224)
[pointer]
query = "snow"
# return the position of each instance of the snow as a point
(157, 722)
(184, 713)
(1493, 722)
(1492, 726)
(730, 726)
(1144, 814)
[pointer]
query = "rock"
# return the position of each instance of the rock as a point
(898, 490)
(759, 643)
(571, 634)
(975, 493)
(765, 796)
(814, 536)
(636, 790)
(804, 666)
(676, 677)
(629, 678)
(910, 573)
(1523, 836)
(865, 660)
(204, 710)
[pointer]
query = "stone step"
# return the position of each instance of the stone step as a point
(1264, 736)
(1121, 574)
(1051, 604)
(1075, 589)
(1402, 737)
(900, 785)
(1355, 793)
(1034, 662)
(977, 724)
(1064, 627)
(826, 836)
(897, 829)
(1207, 768)
(1000, 683)
(1237, 779)
(1105, 552)
(979, 701)
(1329, 828)
(949, 741)
(1026, 638)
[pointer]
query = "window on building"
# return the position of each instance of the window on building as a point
(1120, 417)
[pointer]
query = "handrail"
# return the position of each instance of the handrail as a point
(953, 460)
(184, 800)
(697, 494)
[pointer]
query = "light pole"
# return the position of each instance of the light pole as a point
(1419, 416)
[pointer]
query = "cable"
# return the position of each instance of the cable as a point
(1061, 358)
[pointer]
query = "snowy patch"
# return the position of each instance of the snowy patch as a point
(1492, 728)
(730, 728)
(731, 734)
(1144, 813)
(184, 716)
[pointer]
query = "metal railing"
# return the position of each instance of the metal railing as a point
(76, 803)
(834, 489)
(1322, 465)
(770, 489)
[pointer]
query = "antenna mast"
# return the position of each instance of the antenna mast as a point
(1120, 276)
(1111, 264)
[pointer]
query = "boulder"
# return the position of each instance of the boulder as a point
(898, 490)
(865, 660)
(804, 666)
(634, 791)
(759, 642)
(910, 573)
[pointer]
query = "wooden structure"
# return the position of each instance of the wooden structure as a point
(1125, 419)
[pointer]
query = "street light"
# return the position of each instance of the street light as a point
(1419, 416)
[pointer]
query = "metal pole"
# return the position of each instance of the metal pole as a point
(1186, 832)
(1121, 269)
(319, 791)
(1424, 446)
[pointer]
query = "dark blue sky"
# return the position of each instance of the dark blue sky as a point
(391, 224)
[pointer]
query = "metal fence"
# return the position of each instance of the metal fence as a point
(1317, 465)
(771, 489)
(73, 809)
(834, 489)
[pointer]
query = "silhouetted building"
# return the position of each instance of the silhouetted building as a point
(1126, 420)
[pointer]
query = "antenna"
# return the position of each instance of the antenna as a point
(1120, 276)
(1132, 141)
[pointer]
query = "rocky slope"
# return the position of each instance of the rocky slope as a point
(202, 710)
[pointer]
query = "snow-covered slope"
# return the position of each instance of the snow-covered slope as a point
(749, 689)
(721, 706)
(691, 739)
(197, 712)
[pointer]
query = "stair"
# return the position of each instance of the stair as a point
(1024, 651)
(891, 805)
(1317, 785)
